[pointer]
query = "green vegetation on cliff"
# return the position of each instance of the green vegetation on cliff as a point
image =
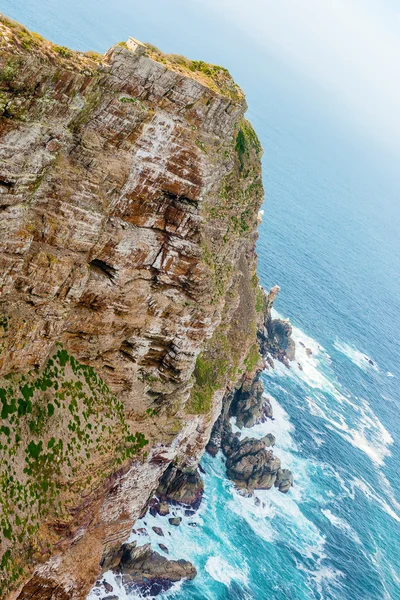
(136, 283)
(215, 77)
(62, 431)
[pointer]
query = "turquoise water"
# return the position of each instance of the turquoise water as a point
(330, 239)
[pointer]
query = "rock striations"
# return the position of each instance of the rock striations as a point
(130, 185)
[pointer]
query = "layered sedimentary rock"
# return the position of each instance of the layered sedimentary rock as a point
(129, 190)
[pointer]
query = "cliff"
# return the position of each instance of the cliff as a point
(130, 185)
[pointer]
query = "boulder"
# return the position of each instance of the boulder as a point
(158, 531)
(249, 405)
(252, 466)
(284, 480)
(181, 487)
(107, 586)
(176, 521)
(269, 440)
(163, 509)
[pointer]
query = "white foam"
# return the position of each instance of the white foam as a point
(326, 575)
(280, 427)
(222, 571)
(258, 517)
(317, 439)
(366, 432)
(389, 490)
(312, 365)
(118, 589)
(384, 569)
(361, 360)
(341, 524)
(347, 490)
(299, 336)
(369, 492)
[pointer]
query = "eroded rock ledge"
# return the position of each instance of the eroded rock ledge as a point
(130, 185)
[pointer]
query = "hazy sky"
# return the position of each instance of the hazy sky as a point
(351, 48)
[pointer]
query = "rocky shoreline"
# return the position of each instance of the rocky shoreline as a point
(250, 464)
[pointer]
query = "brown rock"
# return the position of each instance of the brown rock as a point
(116, 276)
(163, 509)
(149, 573)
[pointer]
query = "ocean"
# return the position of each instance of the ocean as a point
(330, 239)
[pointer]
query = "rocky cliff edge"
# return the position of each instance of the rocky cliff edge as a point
(130, 185)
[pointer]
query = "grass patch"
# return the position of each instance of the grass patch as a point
(63, 51)
(251, 360)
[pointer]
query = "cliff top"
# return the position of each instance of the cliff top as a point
(215, 77)
(18, 39)
(15, 38)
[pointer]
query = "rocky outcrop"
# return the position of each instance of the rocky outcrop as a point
(249, 404)
(145, 571)
(180, 487)
(275, 335)
(130, 185)
(250, 464)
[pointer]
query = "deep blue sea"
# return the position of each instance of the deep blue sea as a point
(330, 238)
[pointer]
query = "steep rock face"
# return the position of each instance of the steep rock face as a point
(129, 191)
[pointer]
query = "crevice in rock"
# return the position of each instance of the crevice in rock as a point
(6, 183)
(104, 269)
(181, 198)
